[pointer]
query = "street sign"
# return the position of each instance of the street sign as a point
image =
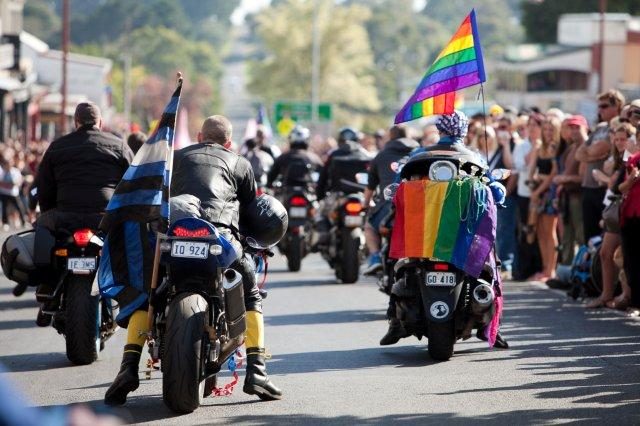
(300, 111)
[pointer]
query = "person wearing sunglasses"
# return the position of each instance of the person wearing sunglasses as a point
(592, 154)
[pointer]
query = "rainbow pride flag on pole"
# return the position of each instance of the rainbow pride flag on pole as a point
(458, 65)
(453, 222)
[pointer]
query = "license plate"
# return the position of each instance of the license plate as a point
(190, 249)
(298, 212)
(445, 279)
(81, 264)
(353, 220)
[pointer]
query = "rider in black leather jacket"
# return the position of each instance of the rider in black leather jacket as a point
(296, 165)
(223, 182)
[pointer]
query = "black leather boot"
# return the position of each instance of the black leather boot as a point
(394, 334)
(256, 381)
(126, 381)
(500, 342)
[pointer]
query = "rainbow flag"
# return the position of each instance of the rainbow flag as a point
(453, 222)
(458, 65)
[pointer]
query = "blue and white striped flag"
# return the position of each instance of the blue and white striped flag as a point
(141, 197)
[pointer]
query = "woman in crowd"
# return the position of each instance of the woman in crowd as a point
(610, 176)
(630, 228)
(544, 168)
(527, 256)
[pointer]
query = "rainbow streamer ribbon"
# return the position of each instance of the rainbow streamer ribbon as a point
(458, 65)
(453, 222)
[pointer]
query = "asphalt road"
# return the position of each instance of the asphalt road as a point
(566, 365)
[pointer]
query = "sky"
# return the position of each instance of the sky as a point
(250, 6)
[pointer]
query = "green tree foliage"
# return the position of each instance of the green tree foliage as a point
(497, 24)
(40, 18)
(346, 64)
(540, 18)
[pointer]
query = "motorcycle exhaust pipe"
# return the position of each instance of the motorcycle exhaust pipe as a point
(234, 303)
(483, 297)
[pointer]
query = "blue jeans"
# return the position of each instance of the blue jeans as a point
(506, 233)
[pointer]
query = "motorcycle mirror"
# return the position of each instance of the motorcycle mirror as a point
(362, 178)
(500, 174)
(390, 191)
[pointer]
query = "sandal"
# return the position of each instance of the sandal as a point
(596, 304)
(620, 304)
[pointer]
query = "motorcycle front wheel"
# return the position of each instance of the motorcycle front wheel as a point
(82, 320)
(182, 389)
(442, 337)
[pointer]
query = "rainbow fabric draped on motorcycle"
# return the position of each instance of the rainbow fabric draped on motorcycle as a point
(453, 222)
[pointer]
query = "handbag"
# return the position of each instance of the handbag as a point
(611, 215)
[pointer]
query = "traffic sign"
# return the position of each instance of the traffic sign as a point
(301, 111)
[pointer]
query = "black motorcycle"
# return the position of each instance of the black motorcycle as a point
(199, 312)
(434, 298)
(345, 248)
(64, 269)
(299, 202)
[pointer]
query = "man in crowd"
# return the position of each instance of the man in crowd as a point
(592, 155)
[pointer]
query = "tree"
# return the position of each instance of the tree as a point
(41, 20)
(346, 60)
(540, 18)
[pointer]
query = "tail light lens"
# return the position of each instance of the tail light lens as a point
(298, 201)
(440, 266)
(353, 207)
(82, 236)
(180, 231)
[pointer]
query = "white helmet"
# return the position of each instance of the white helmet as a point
(299, 135)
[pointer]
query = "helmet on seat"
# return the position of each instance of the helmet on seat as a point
(347, 134)
(264, 221)
(299, 136)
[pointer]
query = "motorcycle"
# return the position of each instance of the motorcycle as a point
(199, 312)
(295, 245)
(345, 249)
(436, 298)
(64, 268)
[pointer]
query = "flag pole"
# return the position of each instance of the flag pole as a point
(156, 256)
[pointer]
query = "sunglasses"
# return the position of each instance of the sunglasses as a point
(604, 106)
(635, 112)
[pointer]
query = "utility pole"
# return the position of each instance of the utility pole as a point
(315, 65)
(127, 88)
(603, 10)
(65, 54)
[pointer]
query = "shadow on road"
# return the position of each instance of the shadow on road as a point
(332, 317)
(13, 324)
(35, 362)
(27, 301)
(298, 283)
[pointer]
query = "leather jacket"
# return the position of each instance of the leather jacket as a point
(221, 179)
(80, 171)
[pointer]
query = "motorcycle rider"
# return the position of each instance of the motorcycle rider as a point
(343, 164)
(382, 172)
(77, 177)
(296, 165)
(453, 129)
(224, 183)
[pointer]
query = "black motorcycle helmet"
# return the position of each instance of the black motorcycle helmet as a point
(347, 134)
(263, 222)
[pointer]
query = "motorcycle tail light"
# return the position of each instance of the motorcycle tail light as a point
(298, 201)
(180, 231)
(82, 236)
(353, 207)
(440, 266)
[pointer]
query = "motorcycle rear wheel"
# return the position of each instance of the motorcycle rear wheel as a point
(182, 389)
(442, 337)
(294, 253)
(82, 320)
(350, 259)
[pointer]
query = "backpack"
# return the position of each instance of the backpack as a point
(586, 270)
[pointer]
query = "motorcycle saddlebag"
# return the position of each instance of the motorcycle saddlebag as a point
(17, 257)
